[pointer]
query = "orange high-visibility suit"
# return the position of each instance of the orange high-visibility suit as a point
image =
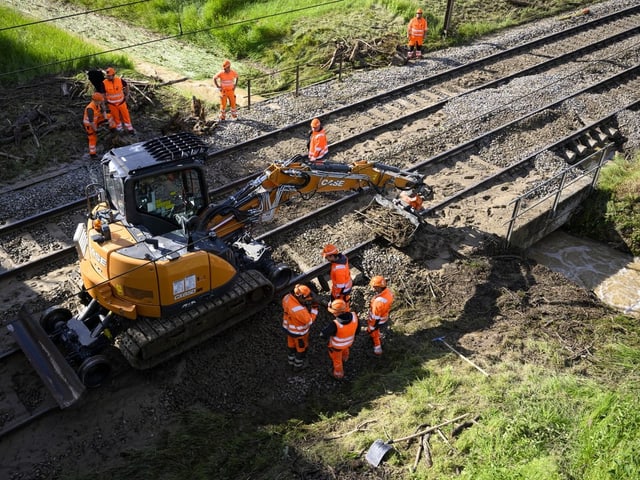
(379, 309)
(340, 274)
(416, 32)
(116, 91)
(94, 116)
(226, 81)
(296, 321)
(341, 333)
(318, 147)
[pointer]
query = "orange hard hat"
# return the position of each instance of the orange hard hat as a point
(378, 281)
(419, 11)
(111, 71)
(226, 63)
(302, 291)
(98, 97)
(315, 123)
(330, 250)
(338, 306)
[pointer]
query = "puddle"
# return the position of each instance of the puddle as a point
(613, 276)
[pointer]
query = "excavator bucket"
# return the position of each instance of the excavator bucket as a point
(392, 220)
(58, 376)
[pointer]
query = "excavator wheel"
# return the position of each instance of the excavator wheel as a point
(52, 317)
(94, 370)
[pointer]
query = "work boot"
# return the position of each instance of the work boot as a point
(299, 365)
(418, 54)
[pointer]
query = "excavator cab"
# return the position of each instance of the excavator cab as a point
(153, 187)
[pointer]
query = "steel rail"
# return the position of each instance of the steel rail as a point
(443, 156)
(401, 90)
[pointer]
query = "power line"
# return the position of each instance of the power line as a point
(72, 15)
(181, 34)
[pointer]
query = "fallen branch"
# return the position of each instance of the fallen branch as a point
(445, 439)
(142, 93)
(418, 455)
(172, 82)
(13, 157)
(427, 450)
(428, 430)
(359, 428)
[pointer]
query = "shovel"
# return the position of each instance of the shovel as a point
(379, 448)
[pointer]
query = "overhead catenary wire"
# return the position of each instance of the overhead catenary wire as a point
(170, 37)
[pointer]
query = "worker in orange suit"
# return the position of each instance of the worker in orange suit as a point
(341, 333)
(226, 80)
(300, 311)
(379, 309)
(116, 92)
(94, 116)
(416, 33)
(318, 148)
(340, 273)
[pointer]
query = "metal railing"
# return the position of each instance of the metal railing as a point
(559, 183)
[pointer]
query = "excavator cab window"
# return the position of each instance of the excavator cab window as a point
(169, 195)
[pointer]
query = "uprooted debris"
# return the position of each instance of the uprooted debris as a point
(359, 53)
(34, 122)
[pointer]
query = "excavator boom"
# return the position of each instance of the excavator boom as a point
(259, 200)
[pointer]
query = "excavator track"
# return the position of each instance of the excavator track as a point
(154, 340)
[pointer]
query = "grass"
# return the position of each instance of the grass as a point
(278, 35)
(41, 49)
(613, 214)
(532, 422)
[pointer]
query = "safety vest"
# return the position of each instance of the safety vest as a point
(93, 116)
(114, 90)
(417, 27)
(345, 333)
(227, 79)
(297, 320)
(380, 307)
(318, 147)
(341, 282)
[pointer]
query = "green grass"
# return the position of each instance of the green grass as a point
(613, 214)
(533, 420)
(263, 37)
(532, 423)
(41, 49)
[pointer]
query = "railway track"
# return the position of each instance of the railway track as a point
(354, 120)
(484, 161)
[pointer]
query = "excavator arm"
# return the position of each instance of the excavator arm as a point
(259, 200)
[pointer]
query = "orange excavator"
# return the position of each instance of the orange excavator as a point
(163, 269)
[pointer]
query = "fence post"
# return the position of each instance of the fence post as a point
(560, 188)
(512, 222)
(605, 153)
(249, 94)
(297, 79)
